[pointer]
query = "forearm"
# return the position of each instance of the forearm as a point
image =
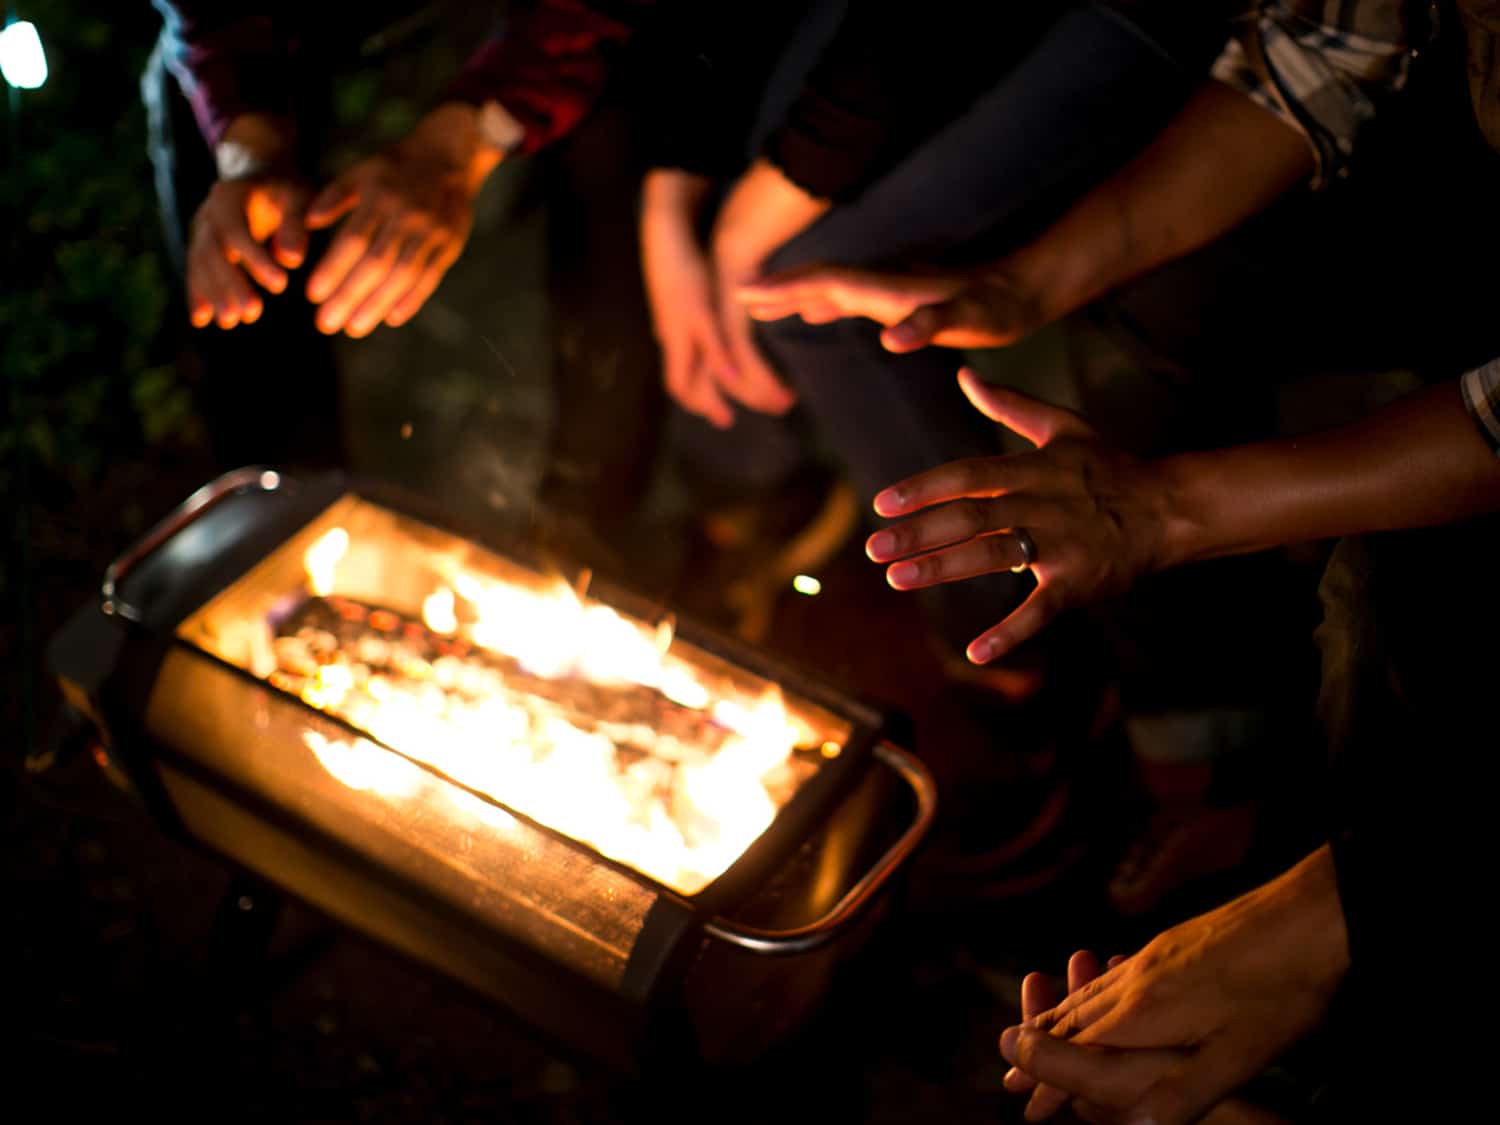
(1220, 161)
(1417, 463)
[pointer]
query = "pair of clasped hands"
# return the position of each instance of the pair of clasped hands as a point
(402, 218)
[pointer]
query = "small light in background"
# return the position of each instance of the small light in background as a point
(807, 584)
(270, 480)
(22, 60)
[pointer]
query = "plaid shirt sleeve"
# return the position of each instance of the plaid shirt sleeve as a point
(1481, 391)
(1321, 66)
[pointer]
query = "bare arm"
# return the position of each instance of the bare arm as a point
(1220, 161)
(1100, 520)
(1417, 463)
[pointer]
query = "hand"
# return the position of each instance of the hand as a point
(409, 212)
(761, 212)
(244, 230)
(1097, 517)
(684, 301)
(1169, 1033)
(953, 309)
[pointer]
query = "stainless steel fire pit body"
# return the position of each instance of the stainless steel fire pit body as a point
(300, 726)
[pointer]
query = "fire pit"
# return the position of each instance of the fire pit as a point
(641, 838)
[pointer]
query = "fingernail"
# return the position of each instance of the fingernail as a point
(1008, 1041)
(981, 652)
(881, 545)
(888, 501)
(902, 574)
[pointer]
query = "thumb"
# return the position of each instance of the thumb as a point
(920, 328)
(289, 241)
(1036, 421)
(332, 203)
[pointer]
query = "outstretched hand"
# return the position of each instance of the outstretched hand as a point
(406, 214)
(1097, 517)
(955, 309)
(246, 230)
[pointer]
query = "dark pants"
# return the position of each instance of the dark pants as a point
(1409, 681)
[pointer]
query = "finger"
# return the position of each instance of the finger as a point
(1117, 959)
(1038, 993)
(691, 385)
(952, 523)
(289, 242)
(428, 280)
(405, 271)
(348, 248)
(1036, 421)
(1101, 1075)
(976, 476)
(877, 295)
(919, 329)
(1083, 967)
(986, 554)
(201, 295)
(751, 382)
(332, 203)
(1099, 994)
(234, 301)
(363, 278)
(713, 344)
(243, 250)
(1027, 620)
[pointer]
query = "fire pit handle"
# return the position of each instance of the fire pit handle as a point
(267, 480)
(848, 909)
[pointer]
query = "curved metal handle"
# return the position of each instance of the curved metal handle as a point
(254, 476)
(852, 905)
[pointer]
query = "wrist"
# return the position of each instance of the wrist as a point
(449, 137)
(672, 195)
(1182, 510)
(1320, 936)
(255, 144)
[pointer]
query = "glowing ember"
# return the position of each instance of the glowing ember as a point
(556, 706)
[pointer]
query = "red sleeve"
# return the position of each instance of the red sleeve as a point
(549, 67)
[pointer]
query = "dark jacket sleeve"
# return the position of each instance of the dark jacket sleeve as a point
(888, 79)
(228, 61)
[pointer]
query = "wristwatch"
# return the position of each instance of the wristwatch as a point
(498, 129)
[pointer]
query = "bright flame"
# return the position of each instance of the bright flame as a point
(22, 60)
(807, 584)
(322, 560)
(437, 611)
(676, 780)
